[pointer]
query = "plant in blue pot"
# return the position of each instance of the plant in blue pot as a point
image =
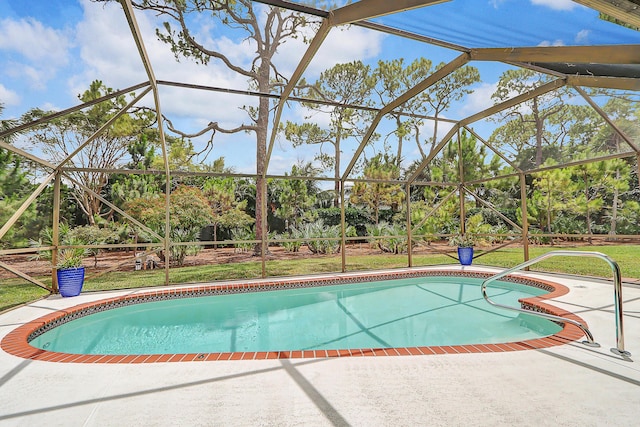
(69, 270)
(465, 243)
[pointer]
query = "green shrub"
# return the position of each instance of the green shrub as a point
(294, 246)
(323, 239)
(189, 213)
(388, 238)
(356, 218)
(94, 235)
(243, 234)
(67, 257)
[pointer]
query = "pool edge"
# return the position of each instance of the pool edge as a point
(17, 344)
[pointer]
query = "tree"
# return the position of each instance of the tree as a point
(295, 201)
(266, 28)
(475, 164)
(442, 221)
(13, 177)
(14, 187)
(346, 84)
(375, 195)
(591, 181)
(474, 159)
(618, 179)
(394, 79)
(452, 87)
(6, 124)
(623, 109)
(123, 187)
(189, 211)
(528, 125)
(60, 137)
(553, 194)
(227, 211)
(180, 155)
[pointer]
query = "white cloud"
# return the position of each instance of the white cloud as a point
(109, 52)
(347, 44)
(426, 130)
(496, 3)
(48, 106)
(37, 77)
(342, 44)
(8, 97)
(107, 49)
(279, 164)
(555, 4)
(546, 43)
(479, 99)
(34, 41)
(33, 50)
(583, 36)
(301, 114)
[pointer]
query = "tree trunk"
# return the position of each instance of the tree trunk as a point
(588, 211)
(261, 187)
(539, 131)
(262, 123)
(336, 188)
(434, 140)
(419, 145)
(400, 138)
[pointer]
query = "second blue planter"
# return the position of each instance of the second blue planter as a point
(465, 255)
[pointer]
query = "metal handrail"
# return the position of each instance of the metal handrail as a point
(619, 350)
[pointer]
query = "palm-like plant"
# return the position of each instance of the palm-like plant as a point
(68, 257)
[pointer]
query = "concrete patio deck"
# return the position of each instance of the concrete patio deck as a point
(566, 385)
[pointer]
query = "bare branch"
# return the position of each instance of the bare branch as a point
(213, 127)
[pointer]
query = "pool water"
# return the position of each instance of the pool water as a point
(424, 311)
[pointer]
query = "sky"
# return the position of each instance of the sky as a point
(50, 51)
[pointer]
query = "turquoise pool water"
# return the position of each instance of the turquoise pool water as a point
(425, 311)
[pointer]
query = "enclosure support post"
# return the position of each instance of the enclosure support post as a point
(55, 227)
(262, 187)
(463, 214)
(407, 191)
(343, 219)
(638, 166)
(525, 217)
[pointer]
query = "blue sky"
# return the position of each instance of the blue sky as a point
(51, 50)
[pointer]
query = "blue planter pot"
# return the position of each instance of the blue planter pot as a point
(70, 281)
(465, 255)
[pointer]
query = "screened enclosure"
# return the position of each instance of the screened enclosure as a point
(217, 140)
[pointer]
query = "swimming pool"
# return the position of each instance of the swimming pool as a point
(416, 312)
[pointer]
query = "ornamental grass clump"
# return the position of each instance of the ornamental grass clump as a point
(463, 240)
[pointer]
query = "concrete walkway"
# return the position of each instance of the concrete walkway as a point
(568, 385)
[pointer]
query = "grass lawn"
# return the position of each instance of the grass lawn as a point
(16, 292)
(627, 257)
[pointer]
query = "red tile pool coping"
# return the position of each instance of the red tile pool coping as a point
(16, 342)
